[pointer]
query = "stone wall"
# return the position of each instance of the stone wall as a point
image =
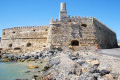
(106, 38)
(75, 29)
(24, 39)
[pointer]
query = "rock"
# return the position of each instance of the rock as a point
(36, 57)
(88, 76)
(104, 72)
(81, 62)
(27, 71)
(93, 62)
(51, 52)
(26, 57)
(47, 68)
(73, 71)
(48, 77)
(5, 60)
(118, 77)
(115, 75)
(109, 77)
(27, 60)
(41, 54)
(34, 77)
(84, 70)
(4, 55)
(32, 67)
(74, 58)
(94, 69)
(55, 61)
(78, 72)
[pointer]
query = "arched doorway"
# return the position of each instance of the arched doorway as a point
(74, 43)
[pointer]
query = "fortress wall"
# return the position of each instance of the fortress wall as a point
(106, 38)
(27, 39)
(63, 33)
(36, 45)
(24, 32)
(58, 34)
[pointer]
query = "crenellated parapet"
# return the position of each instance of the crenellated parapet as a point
(79, 18)
(27, 27)
(72, 19)
(56, 21)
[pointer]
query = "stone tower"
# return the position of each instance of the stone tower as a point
(63, 12)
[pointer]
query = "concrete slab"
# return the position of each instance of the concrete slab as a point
(112, 52)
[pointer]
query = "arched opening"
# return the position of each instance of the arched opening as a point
(74, 43)
(84, 25)
(28, 44)
(34, 30)
(13, 31)
(10, 45)
(3, 33)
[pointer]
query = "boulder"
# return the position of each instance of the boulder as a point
(5, 60)
(5, 56)
(109, 77)
(93, 62)
(41, 54)
(36, 57)
(47, 67)
(74, 58)
(104, 72)
(81, 62)
(84, 70)
(118, 77)
(32, 67)
(27, 71)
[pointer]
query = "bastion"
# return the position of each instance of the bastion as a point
(72, 33)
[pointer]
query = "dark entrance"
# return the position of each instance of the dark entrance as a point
(74, 43)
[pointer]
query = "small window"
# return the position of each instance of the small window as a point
(10, 45)
(28, 44)
(84, 25)
(74, 43)
(44, 46)
(34, 30)
(17, 48)
(3, 33)
(46, 29)
(99, 28)
(13, 31)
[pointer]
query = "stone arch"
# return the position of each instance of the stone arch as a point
(74, 43)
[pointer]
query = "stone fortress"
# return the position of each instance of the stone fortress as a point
(75, 33)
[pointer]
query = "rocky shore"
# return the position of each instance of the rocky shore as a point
(55, 64)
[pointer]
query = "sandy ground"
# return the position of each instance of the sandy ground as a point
(112, 52)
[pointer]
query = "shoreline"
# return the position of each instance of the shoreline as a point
(52, 64)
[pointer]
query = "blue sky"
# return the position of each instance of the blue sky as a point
(16, 13)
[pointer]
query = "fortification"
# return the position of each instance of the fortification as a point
(75, 33)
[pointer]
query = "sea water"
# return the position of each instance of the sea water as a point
(13, 71)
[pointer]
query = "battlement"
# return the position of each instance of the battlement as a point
(79, 17)
(27, 27)
(72, 19)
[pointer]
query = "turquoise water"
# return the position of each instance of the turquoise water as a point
(14, 70)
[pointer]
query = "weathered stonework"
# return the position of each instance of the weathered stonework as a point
(74, 33)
